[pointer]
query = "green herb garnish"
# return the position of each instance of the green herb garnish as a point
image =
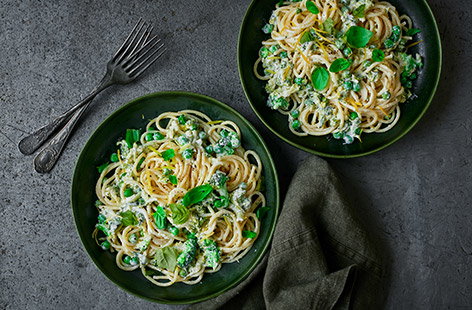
(180, 213)
(340, 64)
(411, 32)
(358, 37)
(197, 194)
(320, 78)
(132, 136)
(378, 55)
(101, 168)
(168, 154)
(249, 234)
(160, 217)
(359, 12)
(166, 258)
(128, 218)
(310, 6)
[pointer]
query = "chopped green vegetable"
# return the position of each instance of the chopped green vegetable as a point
(353, 115)
(174, 230)
(103, 228)
(128, 218)
(132, 136)
(308, 36)
(358, 37)
(180, 213)
(188, 153)
(197, 194)
(268, 28)
(182, 119)
(160, 217)
(328, 25)
(168, 154)
(166, 258)
(387, 95)
(283, 54)
(310, 6)
(249, 234)
(173, 179)
(140, 162)
(188, 255)
(340, 64)
(296, 124)
(394, 37)
(211, 253)
(101, 218)
(261, 212)
(359, 12)
(264, 52)
(412, 31)
(320, 78)
(102, 167)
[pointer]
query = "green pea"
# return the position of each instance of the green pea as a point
(353, 115)
(105, 245)
(127, 260)
(182, 119)
(348, 139)
(299, 81)
(264, 52)
(133, 238)
(158, 136)
(296, 124)
(202, 135)
(149, 136)
(128, 192)
(347, 51)
(356, 87)
(102, 218)
(295, 113)
(188, 153)
(338, 135)
(98, 203)
(174, 230)
(274, 48)
(387, 95)
(347, 85)
(268, 28)
(134, 261)
(283, 55)
(209, 149)
(114, 157)
(141, 201)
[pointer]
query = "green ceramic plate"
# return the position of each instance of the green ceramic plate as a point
(250, 39)
(97, 150)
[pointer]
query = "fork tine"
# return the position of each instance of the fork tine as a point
(125, 43)
(130, 62)
(148, 65)
(131, 44)
(147, 56)
(142, 40)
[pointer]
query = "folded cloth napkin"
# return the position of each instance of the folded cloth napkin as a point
(320, 257)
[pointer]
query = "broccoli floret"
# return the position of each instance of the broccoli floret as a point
(189, 253)
(211, 252)
(218, 179)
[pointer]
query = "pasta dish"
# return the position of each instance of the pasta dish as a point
(180, 198)
(338, 68)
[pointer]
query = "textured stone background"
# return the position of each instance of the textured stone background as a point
(416, 194)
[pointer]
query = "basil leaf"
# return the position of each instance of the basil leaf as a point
(340, 64)
(262, 211)
(160, 218)
(411, 32)
(103, 228)
(359, 12)
(197, 194)
(358, 36)
(378, 55)
(101, 168)
(166, 258)
(132, 136)
(128, 218)
(310, 6)
(249, 234)
(320, 78)
(308, 36)
(168, 154)
(328, 25)
(173, 179)
(180, 213)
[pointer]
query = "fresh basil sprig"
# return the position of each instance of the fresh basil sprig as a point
(249, 234)
(308, 36)
(166, 258)
(340, 64)
(160, 218)
(168, 154)
(180, 213)
(132, 136)
(197, 194)
(358, 37)
(320, 78)
(412, 31)
(128, 218)
(359, 12)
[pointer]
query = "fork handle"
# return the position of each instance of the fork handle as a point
(29, 144)
(47, 158)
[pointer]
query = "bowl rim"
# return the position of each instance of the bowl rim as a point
(344, 156)
(270, 164)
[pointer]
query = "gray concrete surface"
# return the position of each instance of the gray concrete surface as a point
(416, 194)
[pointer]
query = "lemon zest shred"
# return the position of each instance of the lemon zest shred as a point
(119, 157)
(215, 122)
(383, 111)
(273, 57)
(320, 45)
(413, 44)
(154, 150)
(303, 55)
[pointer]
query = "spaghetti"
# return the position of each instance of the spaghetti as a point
(338, 67)
(180, 199)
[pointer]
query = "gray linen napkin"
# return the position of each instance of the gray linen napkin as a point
(320, 257)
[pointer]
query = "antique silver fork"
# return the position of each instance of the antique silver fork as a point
(135, 55)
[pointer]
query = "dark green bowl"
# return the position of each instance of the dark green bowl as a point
(251, 36)
(97, 151)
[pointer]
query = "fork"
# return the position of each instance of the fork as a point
(134, 56)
